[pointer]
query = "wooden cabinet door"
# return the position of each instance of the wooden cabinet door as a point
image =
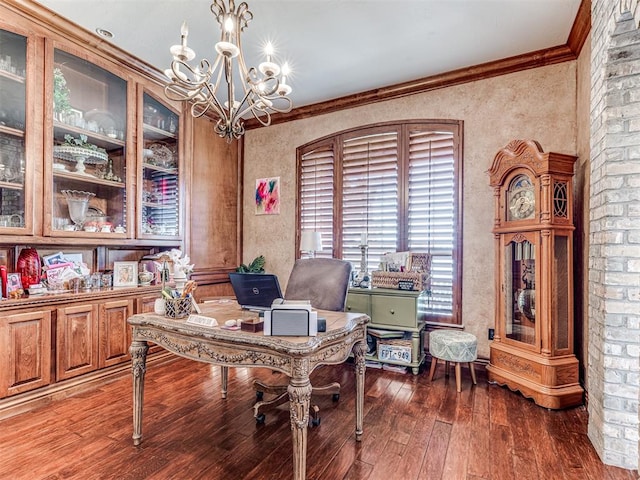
(115, 332)
(76, 340)
(146, 304)
(25, 352)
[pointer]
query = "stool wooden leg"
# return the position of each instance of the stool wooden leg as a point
(473, 373)
(458, 374)
(434, 363)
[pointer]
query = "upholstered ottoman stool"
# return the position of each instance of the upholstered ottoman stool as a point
(453, 346)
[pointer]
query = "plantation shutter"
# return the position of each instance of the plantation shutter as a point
(369, 196)
(432, 212)
(316, 196)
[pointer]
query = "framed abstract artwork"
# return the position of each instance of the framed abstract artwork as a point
(268, 196)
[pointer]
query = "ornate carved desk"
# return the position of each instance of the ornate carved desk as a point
(296, 357)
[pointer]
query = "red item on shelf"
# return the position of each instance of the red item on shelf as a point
(29, 267)
(3, 278)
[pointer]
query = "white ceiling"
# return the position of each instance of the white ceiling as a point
(339, 47)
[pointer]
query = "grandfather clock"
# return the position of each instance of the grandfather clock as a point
(532, 350)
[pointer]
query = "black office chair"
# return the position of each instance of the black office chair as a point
(324, 282)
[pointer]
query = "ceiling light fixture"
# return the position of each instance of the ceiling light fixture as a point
(263, 91)
(103, 32)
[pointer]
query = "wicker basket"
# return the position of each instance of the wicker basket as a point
(178, 307)
(418, 281)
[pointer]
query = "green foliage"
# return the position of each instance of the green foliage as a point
(61, 103)
(256, 266)
(81, 142)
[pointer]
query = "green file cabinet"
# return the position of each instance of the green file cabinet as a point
(392, 310)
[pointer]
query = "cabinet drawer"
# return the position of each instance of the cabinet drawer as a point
(394, 311)
(358, 303)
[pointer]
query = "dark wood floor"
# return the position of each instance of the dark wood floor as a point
(413, 430)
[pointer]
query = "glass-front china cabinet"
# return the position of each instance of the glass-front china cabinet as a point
(14, 216)
(160, 202)
(532, 350)
(88, 156)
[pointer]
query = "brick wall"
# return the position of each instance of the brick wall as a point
(614, 240)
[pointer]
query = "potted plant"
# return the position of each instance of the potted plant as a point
(256, 266)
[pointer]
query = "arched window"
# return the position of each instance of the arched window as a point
(398, 183)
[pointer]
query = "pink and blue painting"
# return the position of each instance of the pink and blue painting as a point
(268, 196)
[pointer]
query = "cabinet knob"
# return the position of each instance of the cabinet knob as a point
(392, 312)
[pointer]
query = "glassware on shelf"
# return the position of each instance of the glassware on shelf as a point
(78, 203)
(80, 155)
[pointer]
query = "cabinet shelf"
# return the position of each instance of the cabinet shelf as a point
(170, 171)
(99, 139)
(88, 179)
(12, 186)
(11, 131)
(158, 205)
(154, 133)
(12, 76)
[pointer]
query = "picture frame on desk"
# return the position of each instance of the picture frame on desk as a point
(125, 274)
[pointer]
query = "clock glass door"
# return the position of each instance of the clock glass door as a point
(520, 291)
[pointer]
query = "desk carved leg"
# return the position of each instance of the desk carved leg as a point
(138, 351)
(359, 350)
(225, 380)
(299, 401)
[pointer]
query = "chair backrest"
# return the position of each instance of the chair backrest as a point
(323, 281)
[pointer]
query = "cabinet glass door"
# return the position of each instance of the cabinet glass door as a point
(520, 292)
(13, 54)
(160, 186)
(89, 155)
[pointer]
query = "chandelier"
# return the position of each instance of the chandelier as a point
(263, 91)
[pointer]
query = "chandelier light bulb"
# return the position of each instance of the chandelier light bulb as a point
(268, 50)
(184, 32)
(228, 25)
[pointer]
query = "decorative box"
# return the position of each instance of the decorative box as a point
(396, 350)
(255, 325)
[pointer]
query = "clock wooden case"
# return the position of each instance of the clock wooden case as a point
(532, 350)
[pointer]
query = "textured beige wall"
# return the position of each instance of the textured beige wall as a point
(535, 104)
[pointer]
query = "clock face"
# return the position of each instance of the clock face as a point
(521, 198)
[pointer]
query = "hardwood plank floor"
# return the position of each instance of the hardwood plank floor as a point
(413, 429)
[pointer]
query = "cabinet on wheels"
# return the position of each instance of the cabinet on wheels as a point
(88, 160)
(160, 212)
